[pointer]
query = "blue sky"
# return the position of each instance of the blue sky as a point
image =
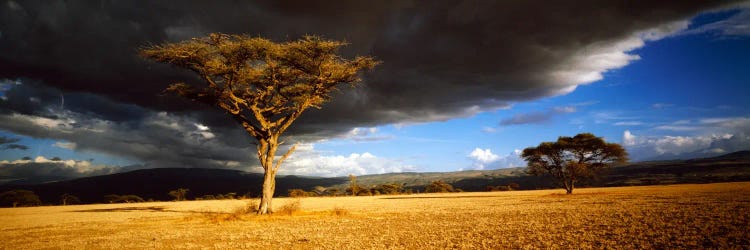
(675, 92)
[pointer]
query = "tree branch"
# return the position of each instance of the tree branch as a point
(286, 155)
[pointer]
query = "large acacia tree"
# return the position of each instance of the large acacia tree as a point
(571, 159)
(263, 85)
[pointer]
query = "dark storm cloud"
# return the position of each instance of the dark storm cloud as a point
(441, 59)
(7, 143)
(30, 172)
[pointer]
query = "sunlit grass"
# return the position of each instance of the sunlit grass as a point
(679, 216)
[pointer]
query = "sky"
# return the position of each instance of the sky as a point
(463, 85)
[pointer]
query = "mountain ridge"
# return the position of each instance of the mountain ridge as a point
(157, 182)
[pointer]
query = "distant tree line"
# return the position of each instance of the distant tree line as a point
(509, 187)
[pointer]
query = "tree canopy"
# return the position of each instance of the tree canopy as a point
(263, 84)
(571, 159)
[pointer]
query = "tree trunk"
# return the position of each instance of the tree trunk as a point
(266, 153)
(265, 206)
(568, 186)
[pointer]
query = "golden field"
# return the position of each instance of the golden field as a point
(677, 216)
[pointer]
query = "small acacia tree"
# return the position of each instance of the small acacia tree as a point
(571, 159)
(179, 194)
(69, 199)
(353, 187)
(263, 85)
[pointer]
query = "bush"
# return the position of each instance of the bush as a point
(68, 199)
(332, 191)
(358, 190)
(339, 211)
(439, 187)
(179, 194)
(19, 197)
(237, 214)
(389, 188)
(129, 198)
(290, 208)
(364, 192)
(297, 193)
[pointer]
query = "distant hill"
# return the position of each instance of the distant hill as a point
(155, 183)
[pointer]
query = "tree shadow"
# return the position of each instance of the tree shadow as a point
(127, 209)
(439, 197)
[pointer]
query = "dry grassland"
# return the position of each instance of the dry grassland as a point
(679, 216)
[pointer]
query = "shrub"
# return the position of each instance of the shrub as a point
(297, 193)
(339, 211)
(389, 188)
(237, 214)
(68, 199)
(358, 190)
(332, 191)
(290, 208)
(19, 197)
(438, 187)
(179, 194)
(113, 198)
(364, 192)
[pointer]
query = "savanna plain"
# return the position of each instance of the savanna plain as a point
(672, 216)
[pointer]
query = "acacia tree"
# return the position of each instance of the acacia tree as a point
(571, 159)
(263, 85)
(69, 199)
(179, 194)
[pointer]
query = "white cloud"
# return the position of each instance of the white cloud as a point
(365, 135)
(630, 123)
(483, 155)
(610, 116)
(661, 105)
(715, 136)
(204, 131)
(308, 161)
(677, 128)
(61, 123)
(628, 138)
(592, 61)
(201, 127)
(565, 109)
(65, 145)
(489, 130)
(484, 159)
